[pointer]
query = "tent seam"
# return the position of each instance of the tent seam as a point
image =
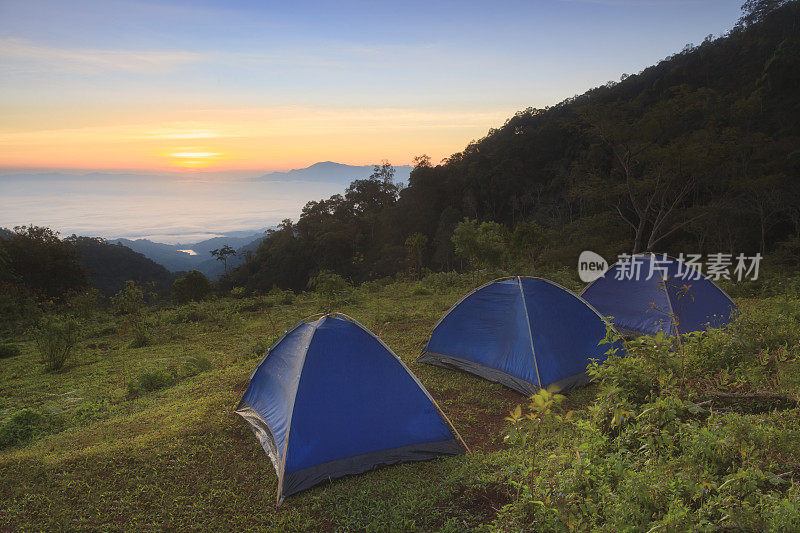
(291, 413)
(530, 330)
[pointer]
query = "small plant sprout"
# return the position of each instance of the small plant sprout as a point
(526, 427)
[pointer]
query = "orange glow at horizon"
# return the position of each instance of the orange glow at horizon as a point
(246, 139)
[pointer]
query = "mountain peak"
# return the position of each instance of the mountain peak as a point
(331, 172)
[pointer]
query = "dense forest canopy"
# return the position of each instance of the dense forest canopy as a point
(699, 153)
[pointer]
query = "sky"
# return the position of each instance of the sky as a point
(237, 86)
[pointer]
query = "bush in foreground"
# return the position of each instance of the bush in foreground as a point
(680, 437)
(55, 337)
(194, 286)
(23, 426)
(160, 379)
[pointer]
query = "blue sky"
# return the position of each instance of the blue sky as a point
(382, 80)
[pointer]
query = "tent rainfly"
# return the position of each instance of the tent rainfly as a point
(526, 333)
(651, 293)
(331, 399)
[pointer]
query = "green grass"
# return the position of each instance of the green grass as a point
(174, 456)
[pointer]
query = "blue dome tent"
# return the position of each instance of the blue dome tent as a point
(526, 333)
(652, 293)
(331, 399)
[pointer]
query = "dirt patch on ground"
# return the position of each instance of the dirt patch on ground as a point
(484, 426)
(476, 505)
(483, 502)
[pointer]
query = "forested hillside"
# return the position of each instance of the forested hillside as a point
(699, 153)
(35, 264)
(108, 266)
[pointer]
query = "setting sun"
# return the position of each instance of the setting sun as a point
(194, 159)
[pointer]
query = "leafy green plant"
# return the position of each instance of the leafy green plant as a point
(196, 364)
(331, 287)
(56, 337)
(23, 426)
(238, 292)
(85, 303)
(658, 450)
(152, 381)
(140, 338)
(525, 428)
(194, 286)
(129, 300)
(280, 297)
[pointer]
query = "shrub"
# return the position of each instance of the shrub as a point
(331, 287)
(23, 426)
(129, 300)
(55, 337)
(238, 292)
(17, 307)
(140, 339)
(194, 286)
(159, 379)
(420, 290)
(281, 297)
(197, 364)
(192, 312)
(643, 456)
(8, 349)
(151, 381)
(85, 304)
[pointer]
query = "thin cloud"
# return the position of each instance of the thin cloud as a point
(92, 60)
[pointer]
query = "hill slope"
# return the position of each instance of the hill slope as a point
(174, 259)
(137, 437)
(109, 266)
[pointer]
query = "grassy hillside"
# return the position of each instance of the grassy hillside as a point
(145, 437)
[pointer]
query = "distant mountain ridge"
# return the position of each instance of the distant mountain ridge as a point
(331, 172)
(172, 258)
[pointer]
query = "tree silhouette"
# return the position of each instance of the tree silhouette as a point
(222, 254)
